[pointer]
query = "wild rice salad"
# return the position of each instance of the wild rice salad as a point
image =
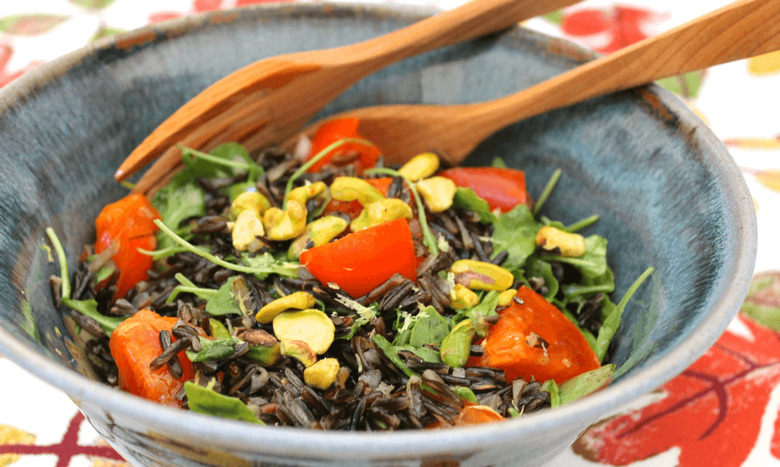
(327, 291)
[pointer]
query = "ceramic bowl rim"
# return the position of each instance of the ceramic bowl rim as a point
(347, 446)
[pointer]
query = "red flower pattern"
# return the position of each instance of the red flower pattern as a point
(713, 410)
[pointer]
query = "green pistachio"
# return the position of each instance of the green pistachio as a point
(302, 194)
(322, 374)
(246, 230)
(296, 300)
(247, 200)
(463, 297)
(420, 166)
(285, 225)
(481, 275)
(456, 346)
(379, 212)
(319, 232)
(298, 350)
(353, 188)
(438, 193)
(310, 326)
(555, 240)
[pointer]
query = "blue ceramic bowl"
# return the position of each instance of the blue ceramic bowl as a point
(668, 193)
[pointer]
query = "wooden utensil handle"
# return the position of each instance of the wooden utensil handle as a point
(739, 30)
(473, 19)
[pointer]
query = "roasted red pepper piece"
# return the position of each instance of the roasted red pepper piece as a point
(536, 339)
(362, 260)
(365, 156)
(128, 223)
(134, 344)
(502, 188)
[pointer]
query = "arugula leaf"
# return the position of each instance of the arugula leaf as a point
(498, 162)
(218, 330)
(515, 232)
(207, 401)
(593, 263)
(225, 160)
(89, 308)
(466, 394)
(537, 267)
(584, 384)
(555, 395)
(222, 302)
(612, 314)
(466, 198)
(429, 328)
(265, 264)
(181, 199)
(429, 355)
(213, 349)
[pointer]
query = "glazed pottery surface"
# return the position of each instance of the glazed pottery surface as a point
(668, 193)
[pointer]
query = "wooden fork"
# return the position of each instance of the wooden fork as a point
(739, 30)
(261, 103)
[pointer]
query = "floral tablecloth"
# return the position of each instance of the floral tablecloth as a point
(724, 410)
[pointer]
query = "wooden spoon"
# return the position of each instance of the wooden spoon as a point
(261, 103)
(739, 30)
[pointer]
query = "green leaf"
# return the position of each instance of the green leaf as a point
(498, 162)
(429, 328)
(429, 355)
(179, 200)
(466, 198)
(93, 4)
(218, 330)
(762, 303)
(477, 314)
(466, 394)
(89, 308)
(213, 349)
(30, 24)
(222, 302)
(612, 314)
(265, 264)
(584, 384)
(225, 160)
(593, 263)
(515, 232)
(536, 267)
(686, 85)
(207, 401)
(552, 388)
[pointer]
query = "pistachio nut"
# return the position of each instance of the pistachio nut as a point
(463, 297)
(251, 201)
(481, 275)
(302, 194)
(353, 188)
(322, 374)
(456, 346)
(298, 350)
(318, 232)
(296, 300)
(285, 225)
(265, 355)
(438, 193)
(379, 212)
(505, 298)
(246, 230)
(555, 240)
(420, 166)
(310, 326)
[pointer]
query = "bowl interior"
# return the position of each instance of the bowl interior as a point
(667, 193)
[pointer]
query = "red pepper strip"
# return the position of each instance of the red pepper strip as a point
(134, 344)
(129, 223)
(353, 208)
(501, 188)
(334, 130)
(471, 414)
(362, 260)
(536, 339)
